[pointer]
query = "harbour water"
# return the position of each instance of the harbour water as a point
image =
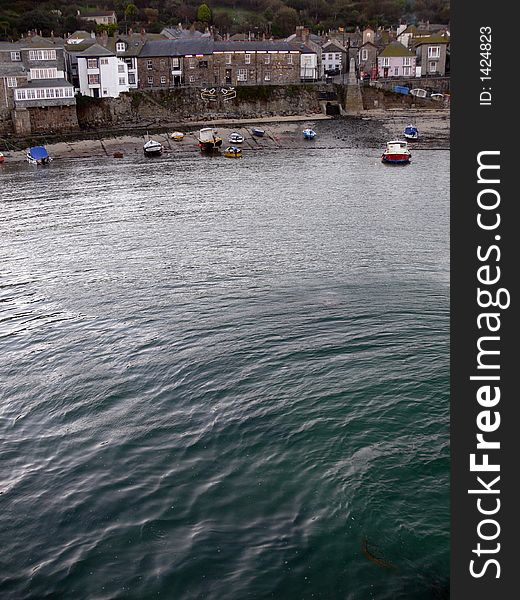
(225, 379)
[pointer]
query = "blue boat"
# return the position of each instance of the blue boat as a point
(309, 134)
(38, 155)
(258, 131)
(411, 132)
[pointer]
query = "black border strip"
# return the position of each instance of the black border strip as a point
(479, 128)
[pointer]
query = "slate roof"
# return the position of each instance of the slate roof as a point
(433, 39)
(45, 83)
(155, 48)
(396, 49)
(96, 50)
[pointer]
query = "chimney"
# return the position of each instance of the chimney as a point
(93, 35)
(305, 35)
(143, 35)
(130, 32)
(299, 31)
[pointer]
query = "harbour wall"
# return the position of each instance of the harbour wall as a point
(155, 107)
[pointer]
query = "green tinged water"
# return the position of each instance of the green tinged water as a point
(221, 379)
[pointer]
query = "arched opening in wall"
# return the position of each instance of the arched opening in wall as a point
(332, 109)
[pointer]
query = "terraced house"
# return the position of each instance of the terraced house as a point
(33, 88)
(396, 61)
(205, 62)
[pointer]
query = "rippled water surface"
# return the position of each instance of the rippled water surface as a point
(225, 379)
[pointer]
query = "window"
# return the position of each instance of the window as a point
(42, 54)
(203, 64)
(103, 61)
(247, 59)
(150, 81)
(364, 54)
(406, 71)
(289, 59)
(385, 61)
(92, 63)
(49, 93)
(163, 80)
(191, 63)
(192, 78)
(93, 79)
(44, 73)
(267, 59)
(122, 81)
(120, 47)
(242, 75)
(11, 82)
(396, 71)
(162, 63)
(20, 94)
(228, 59)
(120, 68)
(131, 78)
(16, 56)
(432, 66)
(267, 76)
(407, 62)
(105, 92)
(176, 63)
(434, 51)
(149, 64)
(337, 56)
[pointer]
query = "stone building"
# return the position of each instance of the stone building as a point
(32, 76)
(431, 54)
(204, 62)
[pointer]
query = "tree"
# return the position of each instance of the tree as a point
(131, 12)
(204, 13)
(285, 21)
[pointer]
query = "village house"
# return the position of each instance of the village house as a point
(101, 73)
(367, 61)
(205, 62)
(32, 72)
(396, 61)
(32, 82)
(100, 17)
(334, 58)
(431, 54)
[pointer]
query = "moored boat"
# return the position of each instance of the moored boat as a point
(233, 152)
(235, 138)
(411, 132)
(309, 134)
(177, 136)
(38, 155)
(152, 148)
(258, 131)
(209, 139)
(396, 153)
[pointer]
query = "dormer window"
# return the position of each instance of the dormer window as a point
(120, 47)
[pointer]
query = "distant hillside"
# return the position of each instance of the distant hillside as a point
(273, 17)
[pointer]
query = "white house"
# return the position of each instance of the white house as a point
(309, 70)
(334, 58)
(101, 73)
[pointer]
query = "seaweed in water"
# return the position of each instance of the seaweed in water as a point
(380, 562)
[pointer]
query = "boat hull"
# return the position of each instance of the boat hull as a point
(412, 136)
(152, 152)
(396, 159)
(38, 161)
(210, 146)
(258, 132)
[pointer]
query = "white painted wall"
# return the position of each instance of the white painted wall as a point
(113, 76)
